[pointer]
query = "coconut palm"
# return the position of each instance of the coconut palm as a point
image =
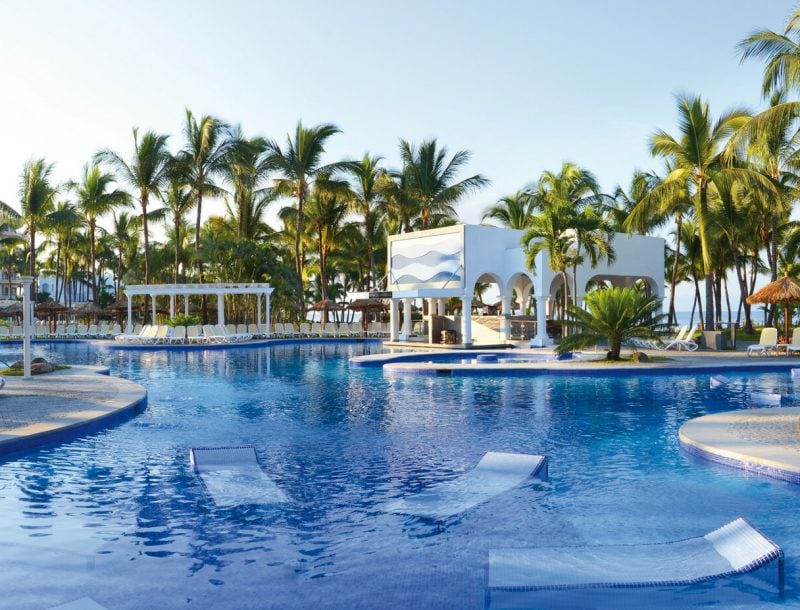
(179, 200)
(146, 173)
(246, 171)
(298, 164)
(203, 157)
(366, 201)
(95, 198)
(512, 211)
(698, 165)
(37, 199)
(614, 315)
(430, 180)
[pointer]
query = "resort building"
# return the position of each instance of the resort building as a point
(440, 264)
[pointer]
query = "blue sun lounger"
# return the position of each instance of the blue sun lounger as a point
(233, 476)
(494, 474)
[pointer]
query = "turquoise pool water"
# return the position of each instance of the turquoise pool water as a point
(119, 516)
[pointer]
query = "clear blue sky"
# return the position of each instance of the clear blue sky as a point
(522, 85)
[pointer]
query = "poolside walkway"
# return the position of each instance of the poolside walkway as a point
(56, 405)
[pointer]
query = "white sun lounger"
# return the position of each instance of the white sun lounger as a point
(767, 343)
(232, 476)
(735, 548)
(494, 474)
(717, 381)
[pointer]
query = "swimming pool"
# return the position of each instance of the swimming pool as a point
(118, 516)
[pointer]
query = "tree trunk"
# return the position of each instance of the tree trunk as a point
(298, 259)
(92, 227)
(146, 256)
(673, 318)
(177, 248)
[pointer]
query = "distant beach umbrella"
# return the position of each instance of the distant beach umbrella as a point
(784, 290)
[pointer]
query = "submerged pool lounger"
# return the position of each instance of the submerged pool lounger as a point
(233, 476)
(735, 548)
(494, 474)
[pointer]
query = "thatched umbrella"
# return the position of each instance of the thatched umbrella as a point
(50, 308)
(325, 306)
(365, 306)
(785, 290)
(88, 309)
(15, 309)
(499, 306)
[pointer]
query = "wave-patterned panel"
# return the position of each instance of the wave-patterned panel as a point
(418, 270)
(432, 258)
(449, 244)
(441, 276)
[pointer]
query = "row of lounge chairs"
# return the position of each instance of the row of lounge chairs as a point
(768, 343)
(683, 340)
(330, 329)
(169, 335)
(104, 330)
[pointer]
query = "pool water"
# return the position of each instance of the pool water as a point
(118, 516)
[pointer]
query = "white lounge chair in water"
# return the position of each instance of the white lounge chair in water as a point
(733, 549)
(494, 474)
(232, 476)
(767, 342)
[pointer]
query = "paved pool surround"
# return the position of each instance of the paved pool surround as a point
(63, 404)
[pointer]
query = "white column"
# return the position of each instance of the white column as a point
(153, 307)
(129, 328)
(541, 323)
(268, 321)
(258, 311)
(172, 306)
(440, 306)
(394, 320)
(507, 319)
(220, 310)
(27, 320)
(186, 304)
(466, 320)
(406, 335)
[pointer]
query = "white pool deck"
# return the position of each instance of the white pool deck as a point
(57, 405)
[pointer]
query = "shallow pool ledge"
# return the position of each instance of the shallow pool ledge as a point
(764, 441)
(64, 404)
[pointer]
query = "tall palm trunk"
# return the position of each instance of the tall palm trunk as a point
(673, 317)
(92, 226)
(144, 199)
(298, 258)
(177, 248)
(703, 222)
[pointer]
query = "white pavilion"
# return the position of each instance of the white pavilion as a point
(443, 263)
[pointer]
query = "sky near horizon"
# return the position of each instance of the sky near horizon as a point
(522, 85)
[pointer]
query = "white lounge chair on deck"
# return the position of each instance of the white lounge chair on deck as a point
(688, 343)
(675, 342)
(767, 342)
(494, 474)
(735, 548)
(178, 335)
(305, 329)
(232, 476)
(193, 334)
(794, 346)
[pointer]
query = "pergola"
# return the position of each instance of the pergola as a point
(186, 290)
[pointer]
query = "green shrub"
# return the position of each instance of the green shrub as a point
(184, 319)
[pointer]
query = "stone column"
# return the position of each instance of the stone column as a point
(129, 328)
(466, 320)
(394, 315)
(406, 335)
(220, 309)
(153, 307)
(541, 323)
(506, 317)
(172, 306)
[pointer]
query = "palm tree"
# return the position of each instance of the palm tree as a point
(37, 198)
(698, 166)
(146, 173)
(512, 211)
(299, 163)
(124, 229)
(204, 156)
(246, 170)
(615, 315)
(179, 200)
(547, 232)
(94, 200)
(367, 200)
(430, 180)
